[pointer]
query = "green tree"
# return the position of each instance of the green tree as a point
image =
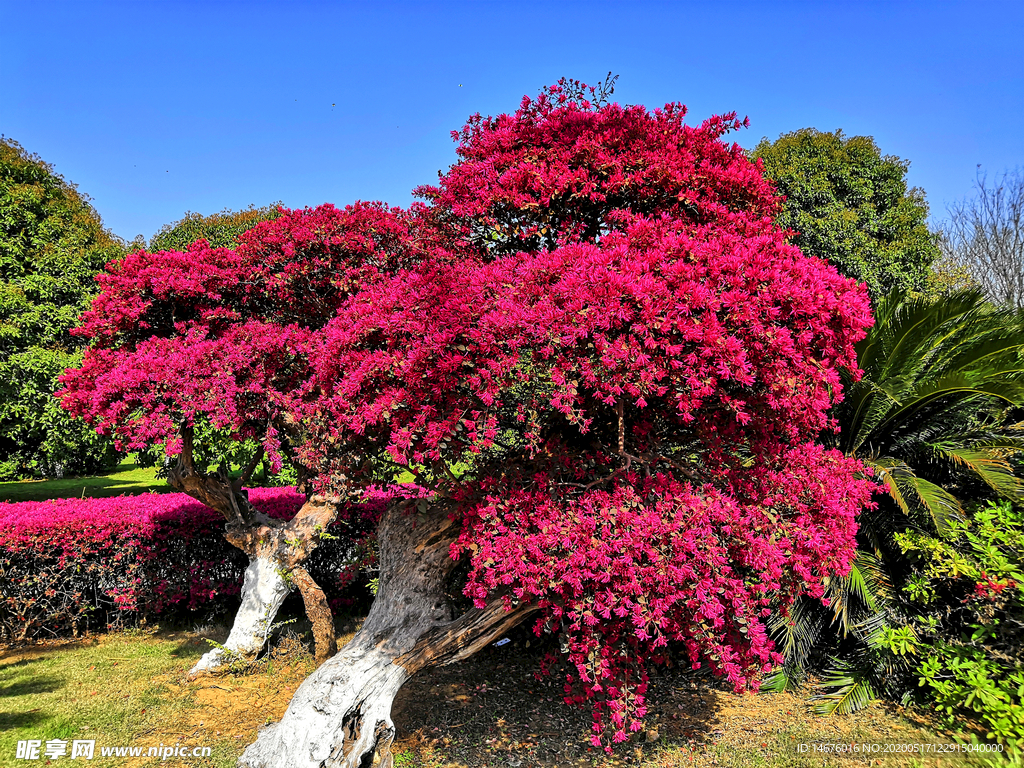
(221, 230)
(850, 205)
(52, 244)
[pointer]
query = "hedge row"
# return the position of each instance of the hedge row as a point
(71, 564)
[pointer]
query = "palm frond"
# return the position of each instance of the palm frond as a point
(871, 630)
(795, 634)
(888, 471)
(876, 580)
(943, 508)
(785, 678)
(864, 588)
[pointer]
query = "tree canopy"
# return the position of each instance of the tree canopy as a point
(849, 204)
(595, 317)
(52, 244)
(220, 230)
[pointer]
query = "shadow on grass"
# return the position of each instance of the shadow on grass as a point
(190, 647)
(74, 488)
(31, 686)
(35, 650)
(11, 720)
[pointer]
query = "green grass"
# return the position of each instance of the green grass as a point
(95, 689)
(128, 478)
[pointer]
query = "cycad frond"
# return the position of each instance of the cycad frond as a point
(864, 588)
(889, 472)
(942, 507)
(797, 632)
(785, 678)
(929, 417)
(876, 580)
(846, 688)
(984, 462)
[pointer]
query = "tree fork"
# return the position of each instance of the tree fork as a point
(276, 551)
(340, 717)
(215, 492)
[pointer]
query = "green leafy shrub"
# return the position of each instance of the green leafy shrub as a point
(969, 588)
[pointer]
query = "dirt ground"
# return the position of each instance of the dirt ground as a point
(493, 711)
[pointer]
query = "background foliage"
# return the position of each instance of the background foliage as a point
(932, 416)
(52, 244)
(850, 205)
(220, 230)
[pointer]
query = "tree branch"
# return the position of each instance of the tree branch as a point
(319, 613)
(215, 491)
(247, 472)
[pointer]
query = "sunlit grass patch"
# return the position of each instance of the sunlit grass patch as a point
(128, 478)
(108, 689)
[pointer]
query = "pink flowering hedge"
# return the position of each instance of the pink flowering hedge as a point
(69, 564)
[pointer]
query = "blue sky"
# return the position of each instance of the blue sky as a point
(158, 108)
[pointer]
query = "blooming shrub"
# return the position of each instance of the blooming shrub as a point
(68, 564)
(612, 367)
(227, 326)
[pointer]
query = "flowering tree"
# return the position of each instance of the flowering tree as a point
(607, 369)
(217, 336)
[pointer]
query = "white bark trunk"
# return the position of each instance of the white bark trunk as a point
(340, 716)
(263, 591)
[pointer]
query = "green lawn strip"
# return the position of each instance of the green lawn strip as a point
(128, 478)
(95, 689)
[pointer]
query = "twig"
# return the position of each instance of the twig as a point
(622, 428)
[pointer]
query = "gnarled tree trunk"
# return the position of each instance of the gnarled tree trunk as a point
(341, 714)
(276, 551)
(263, 591)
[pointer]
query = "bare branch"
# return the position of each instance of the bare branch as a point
(622, 428)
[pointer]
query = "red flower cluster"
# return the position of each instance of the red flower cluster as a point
(220, 334)
(990, 588)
